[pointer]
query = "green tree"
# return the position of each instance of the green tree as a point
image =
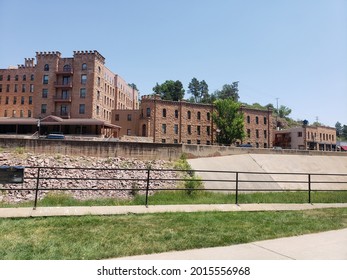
(229, 121)
(170, 90)
(133, 86)
(344, 132)
(338, 127)
(283, 112)
(229, 91)
(199, 91)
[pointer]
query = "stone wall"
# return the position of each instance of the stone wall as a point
(148, 151)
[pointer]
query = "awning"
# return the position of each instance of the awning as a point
(344, 148)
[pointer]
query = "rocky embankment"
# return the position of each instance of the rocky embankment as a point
(90, 177)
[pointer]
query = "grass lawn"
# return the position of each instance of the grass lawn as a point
(102, 237)
(197, 197)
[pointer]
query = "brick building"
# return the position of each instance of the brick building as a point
(75, 95)
(182, 122)
(320, 138)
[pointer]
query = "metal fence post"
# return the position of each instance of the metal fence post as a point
(37, 187)
(237, 189)
(309, 188)
(147, 187)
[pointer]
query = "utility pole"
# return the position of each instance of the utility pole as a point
(277, 113)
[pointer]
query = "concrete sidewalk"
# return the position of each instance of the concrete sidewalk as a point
(121, 210)
(330, 245)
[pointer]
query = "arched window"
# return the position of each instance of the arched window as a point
(84, 66)
(46, 67)
(67, 68)
(199, 116)
(189, 115)
(164, 113)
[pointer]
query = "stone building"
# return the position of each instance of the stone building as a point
(166, 121)
(320, 138)
(75, 95)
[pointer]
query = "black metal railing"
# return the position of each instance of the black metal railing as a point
(144, 180)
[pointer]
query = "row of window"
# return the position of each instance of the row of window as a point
(189, 114)
(66, 68)
(256, 120)
(189, 129)
(15, 100)
(189, 141)
(23, 88)
(16, 77)
(322, 136)
(64, 109)
(21, 114)
(66, 79)
(257, 134)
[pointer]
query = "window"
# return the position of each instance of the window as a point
(117, 117)
(67, 68)
(15, 100)
(208, 116)
(176, 128)
(265, 134)
(128, 130)
(66, 80)
(30, 100)
(265, 120)
(0, 88)
(8, 77)
(189, 141)
(248, 133)
(176, 114)
(299, 134)
(24, 77)
(13, 113)
(15, 88)
(44, 93)
(148, 112)
(21, 114)
(198, 142)
(1, 77)
(43, 108)
(7, 88)
(83, 79)
(163, 141)
(189, 129)
(175, 141)
(265, 145)
(129, 117)
(45, 79)
(98, 111)
(257, 133)
(163, 128)
(99, 81)
(84, 66)
(82, 109)
(29, 113)
(256, 120)
(189, 115)
(199, 116)
(7, 100)
(248, 119)
(16, 78)
(82, 93)
(208, 130)
(5, 113)
(22, 99)
(164, 113)
(31, 89)
(46, 67)
(31, 77)
(198, 130)
(23, 88)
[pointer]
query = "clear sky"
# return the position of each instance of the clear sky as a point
(293, 50)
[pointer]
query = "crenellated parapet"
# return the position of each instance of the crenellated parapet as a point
(48, 54)
(94, 53)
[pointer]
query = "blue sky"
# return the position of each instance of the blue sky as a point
(292, 50)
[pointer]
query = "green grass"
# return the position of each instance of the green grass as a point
(103, 237)
(196, 197)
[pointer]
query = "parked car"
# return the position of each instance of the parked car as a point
(277, 148)
(55, 135)
(245, 146)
